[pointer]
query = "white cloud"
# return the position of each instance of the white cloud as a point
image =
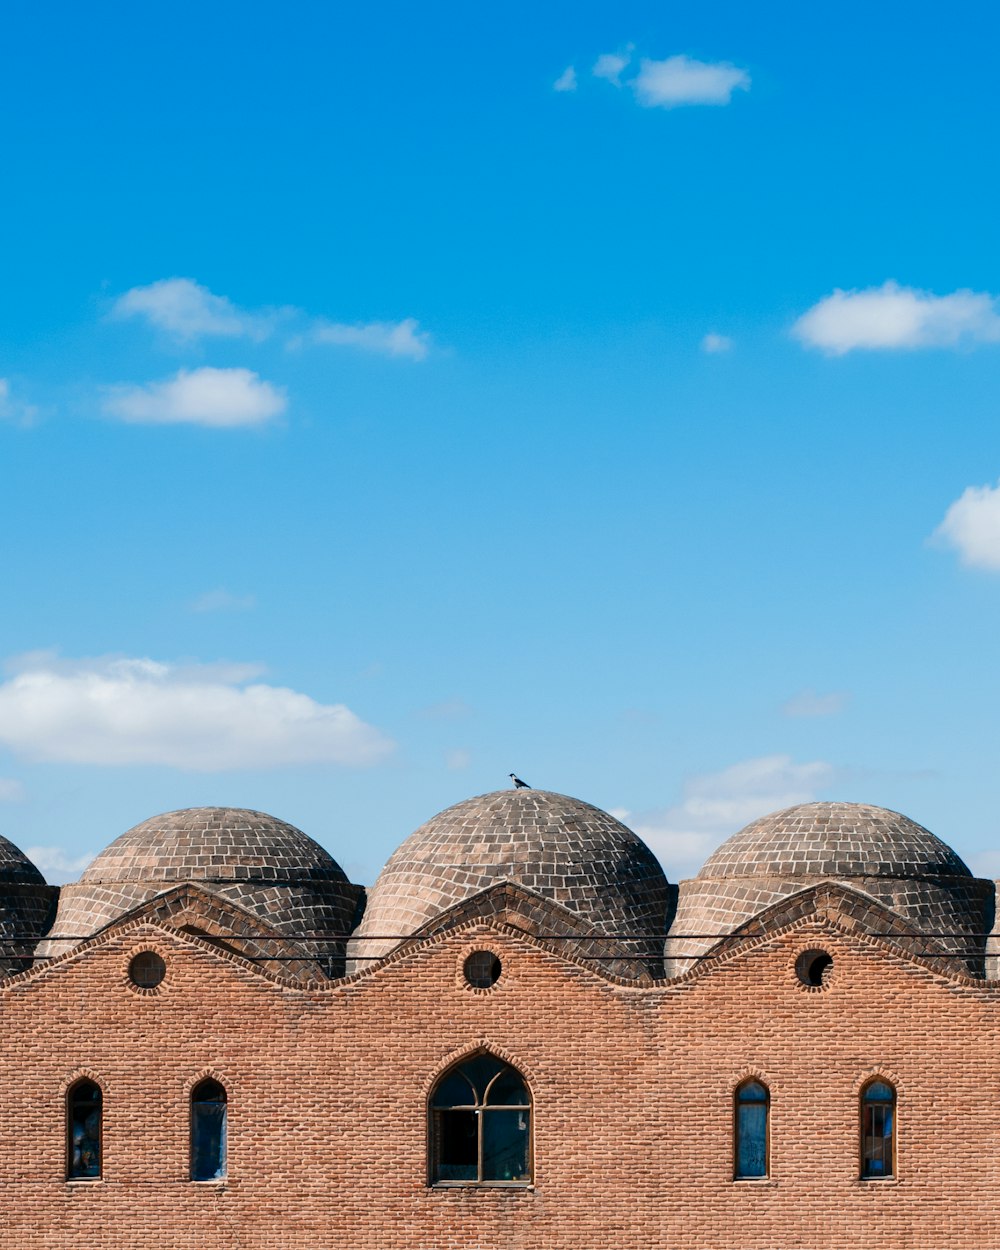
(809, 703)
(713, 344)
(715, 805)
(11, 791)
(222, 600)
(566, 80)
(972, 527)
(204, 718)
(457, 759)
(385, 338)
(14, 409)
(56, 866)
(683, 80)
(610, 66)
(220, 398)
(898, 318)
(187, 310)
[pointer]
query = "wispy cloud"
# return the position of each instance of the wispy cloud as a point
(56, 865)
(566, 80)
(898, 318)
(11, 790)
(715, 805)
(682, 80)
(610, 66)
(448, 709)
(219, 398)
(384, 338)
(186, 310)
(971, 526)
(116, 710)
(15, 409)
(222, 600)
(457, 760)
(714, 344)
(808, 703)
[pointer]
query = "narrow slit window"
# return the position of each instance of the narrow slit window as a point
(878, 1131)
(83, 1131)
(208, 1131)
(480, 1125)
(750, 1121)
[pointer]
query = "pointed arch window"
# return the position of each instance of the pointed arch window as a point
(83, 1131)
(208, 1131)
(878, 1131)
(750, 1115)
(480, 1125)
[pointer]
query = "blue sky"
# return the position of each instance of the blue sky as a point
(390, 401)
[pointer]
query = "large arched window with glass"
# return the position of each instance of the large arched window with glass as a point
(480, 1125)
(208, 1131)
(83, 1131)
(750, 1115)
(878, 1130)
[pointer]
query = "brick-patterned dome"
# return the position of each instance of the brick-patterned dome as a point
(878, 852)
(214, 844)
(834, 840)
(559, 847)
(16, 866)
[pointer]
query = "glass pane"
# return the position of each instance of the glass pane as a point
(752, 1091)
(456, 1145)
(454, 1091)
(751, 1139)
(508, 1090)
(878, 1091)
(506, 1145)
(85, 1132)
(480, 1071)
(208, 1140)
(876, 1140)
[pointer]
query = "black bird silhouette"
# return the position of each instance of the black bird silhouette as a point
(518, 783)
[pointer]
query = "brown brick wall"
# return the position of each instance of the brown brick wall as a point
(632, 1095)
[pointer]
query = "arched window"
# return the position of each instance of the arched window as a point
(750, 1121)
(878, 1129)
(480, 1125)
(83, 1131)
(208, 1131)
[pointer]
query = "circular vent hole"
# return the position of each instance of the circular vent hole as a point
(814, 968)
(147, 970)
(482, 969)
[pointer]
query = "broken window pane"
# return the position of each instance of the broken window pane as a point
(208, 1131)
(458, 1145)
(84, 1131)
(878, 1103)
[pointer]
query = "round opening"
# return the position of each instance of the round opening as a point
(482, 969)
(147, 970)
(814, 968)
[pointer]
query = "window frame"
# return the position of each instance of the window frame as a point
(480, 1109)
(766, 1102)
(893, 1105)
(224, 1172)
(69, 1120)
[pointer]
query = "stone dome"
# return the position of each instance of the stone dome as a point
(875, 851)
(26, 908)
(214, 844)
(561, 848)
(262, 864)
(834, 840)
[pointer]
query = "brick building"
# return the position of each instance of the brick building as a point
(526, 1039)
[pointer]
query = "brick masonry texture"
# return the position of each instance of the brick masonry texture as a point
(632, 1078)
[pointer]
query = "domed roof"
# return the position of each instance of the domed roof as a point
(213, 844)
(16, 866)
(834, 840)
(559, 847)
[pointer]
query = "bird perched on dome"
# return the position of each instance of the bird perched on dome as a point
(518, 783)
